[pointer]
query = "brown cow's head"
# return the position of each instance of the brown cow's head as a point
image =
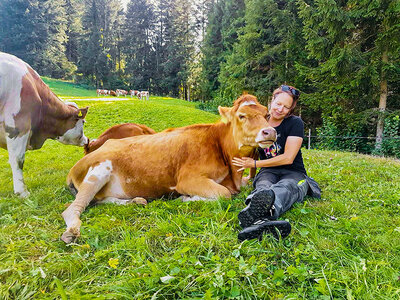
(248, 119)
(73, 134)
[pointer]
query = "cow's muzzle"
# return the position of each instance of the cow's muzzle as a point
(266, 137)
(84, 141)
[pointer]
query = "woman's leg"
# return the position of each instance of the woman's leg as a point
(260, 200)
(273, 195)
(291, 188)
(263, 181)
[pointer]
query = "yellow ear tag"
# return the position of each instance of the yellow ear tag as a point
(80, 114)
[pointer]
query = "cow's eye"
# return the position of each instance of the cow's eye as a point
(242, 117)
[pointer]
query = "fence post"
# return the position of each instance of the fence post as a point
(309, 139)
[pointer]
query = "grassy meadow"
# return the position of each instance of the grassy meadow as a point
(68, 89)
(344, 246)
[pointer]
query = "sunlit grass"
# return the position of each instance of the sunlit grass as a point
(64, 88)
(345, 245)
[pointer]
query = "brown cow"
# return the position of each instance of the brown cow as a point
(30, 113)
(118, 132)
(133, 93)
(102, 92)
(194, 161)
(120, 92)
(143, 95)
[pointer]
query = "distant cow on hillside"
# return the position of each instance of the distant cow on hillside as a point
(118, 132)
(120, 92)
(134, 93)
(144, 95)
(194, 161)
(30, 113)
(102, 92)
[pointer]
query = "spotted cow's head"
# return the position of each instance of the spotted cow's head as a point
(248, 120)
(73, 127)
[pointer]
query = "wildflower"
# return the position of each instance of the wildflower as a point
(113, 262)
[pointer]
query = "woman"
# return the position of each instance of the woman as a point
(282, 179)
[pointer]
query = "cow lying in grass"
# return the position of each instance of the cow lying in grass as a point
(193, 161)
(118, 132)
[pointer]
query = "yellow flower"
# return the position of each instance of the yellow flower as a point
(85, 246)
(113, 262)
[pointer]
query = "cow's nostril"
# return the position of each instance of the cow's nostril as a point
(266, 131)
(269, 133)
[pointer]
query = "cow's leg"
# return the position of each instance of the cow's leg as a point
(95, 179)
(201, 188)
(16, 147)
(118, 201)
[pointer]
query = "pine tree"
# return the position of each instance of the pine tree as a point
(225, 21)
(179, 48)
(254, 64)
(35, 31)
(138, 44)
(161, 40)
(74, 11)
(17, 26)
(212, 52)
(52, 60)
(356, 44)
(99, 48)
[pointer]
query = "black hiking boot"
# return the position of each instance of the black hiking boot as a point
(259, 208)
(276, 228)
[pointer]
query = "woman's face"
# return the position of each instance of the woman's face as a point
(280, 106)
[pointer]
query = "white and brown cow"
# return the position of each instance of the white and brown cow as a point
(102, 92)
(193, 161)
(30, 113)
(143, 95)
(133, 93)
(120, 92)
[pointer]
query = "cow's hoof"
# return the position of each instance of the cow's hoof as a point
(70, 235)
(23, 194)
(194, 198)
(139, 200)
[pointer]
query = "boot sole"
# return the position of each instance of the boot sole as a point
(278, 229)
(258, 208)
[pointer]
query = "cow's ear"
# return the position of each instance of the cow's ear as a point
(225, 113)
(82, 112)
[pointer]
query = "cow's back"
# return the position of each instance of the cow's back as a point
(19, 99)
(119, 131)
(12, 70)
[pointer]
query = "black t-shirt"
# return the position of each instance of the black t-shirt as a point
(291, 126)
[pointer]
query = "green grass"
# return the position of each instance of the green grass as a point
(68, 89)
(344, 246)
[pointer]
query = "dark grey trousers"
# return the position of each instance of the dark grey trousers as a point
(289, 187)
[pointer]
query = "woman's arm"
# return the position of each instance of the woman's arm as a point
(292, 147)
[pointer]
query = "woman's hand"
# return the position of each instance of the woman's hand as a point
(243, 163)
(245, 180)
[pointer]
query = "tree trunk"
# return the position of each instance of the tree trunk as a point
(382, 104)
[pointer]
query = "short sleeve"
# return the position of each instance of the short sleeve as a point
(296, 127)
